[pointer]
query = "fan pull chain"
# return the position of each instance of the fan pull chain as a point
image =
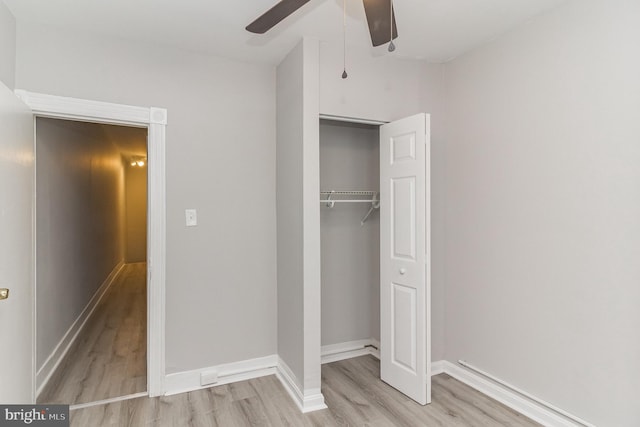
(392, 46)
(344, 39)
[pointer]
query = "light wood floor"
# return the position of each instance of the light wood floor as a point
(352, 389)
(109, 357)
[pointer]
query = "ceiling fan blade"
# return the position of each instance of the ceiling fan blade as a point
(273, 16)
(378, 13)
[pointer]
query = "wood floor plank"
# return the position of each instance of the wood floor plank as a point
(108, 359)
(353, 391)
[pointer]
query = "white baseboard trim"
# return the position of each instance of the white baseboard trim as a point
(187, 381)
(437, 367)
(107, 401)
(53, 361)
(309, 401)
(536, 411)
(348, 350)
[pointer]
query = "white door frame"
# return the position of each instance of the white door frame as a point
(427, 224)
(155, 120)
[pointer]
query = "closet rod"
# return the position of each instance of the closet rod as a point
(348, 201)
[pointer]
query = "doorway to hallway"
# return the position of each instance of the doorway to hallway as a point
(91, 252)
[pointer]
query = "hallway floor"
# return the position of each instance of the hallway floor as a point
(109, 357)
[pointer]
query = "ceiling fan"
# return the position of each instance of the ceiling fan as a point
(379, 15)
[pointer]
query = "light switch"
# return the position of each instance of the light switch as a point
(191, 217)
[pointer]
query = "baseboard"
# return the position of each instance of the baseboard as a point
(53, 361)
(183, 382)
(437, 367)
(308, 401)
(348, 350)
(534, 410)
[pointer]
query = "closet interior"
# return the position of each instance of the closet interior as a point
(350, 237)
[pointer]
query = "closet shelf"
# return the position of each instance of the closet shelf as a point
(330, 197)
(350, 193)
(333, 197)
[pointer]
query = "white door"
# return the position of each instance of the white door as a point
(16, 249)
(405, 350)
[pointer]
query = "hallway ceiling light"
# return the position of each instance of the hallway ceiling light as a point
(138, 161)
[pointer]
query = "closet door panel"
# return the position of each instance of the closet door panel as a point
(404, 345)
(403, 218)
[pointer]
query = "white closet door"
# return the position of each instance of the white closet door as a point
(404, 286)
(16, 249)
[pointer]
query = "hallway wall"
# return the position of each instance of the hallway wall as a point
(135, 213)
(79, 223)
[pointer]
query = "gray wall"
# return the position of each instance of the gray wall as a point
(80, 195)
(290, 132)
(543, 209)
(7, 46)
(216, 163)
(298, 183)
(135, 213)
(349, 160)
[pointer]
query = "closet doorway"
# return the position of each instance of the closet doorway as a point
(375, 233)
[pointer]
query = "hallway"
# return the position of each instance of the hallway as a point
(109, 357)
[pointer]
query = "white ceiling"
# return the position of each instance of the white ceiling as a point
(435, 30)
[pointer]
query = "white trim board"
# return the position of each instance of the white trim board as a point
(227, 373)
(107, 401)
(437, 367)
(352, 120)
(63, 107)
(155, 120)
(347, 350)
(508, 397)
(307, 401)
(183, 382)
(43, 375)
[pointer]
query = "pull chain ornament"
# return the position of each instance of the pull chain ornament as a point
(344, 39)
(392, 46)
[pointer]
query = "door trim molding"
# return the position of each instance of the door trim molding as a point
(155, 120)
